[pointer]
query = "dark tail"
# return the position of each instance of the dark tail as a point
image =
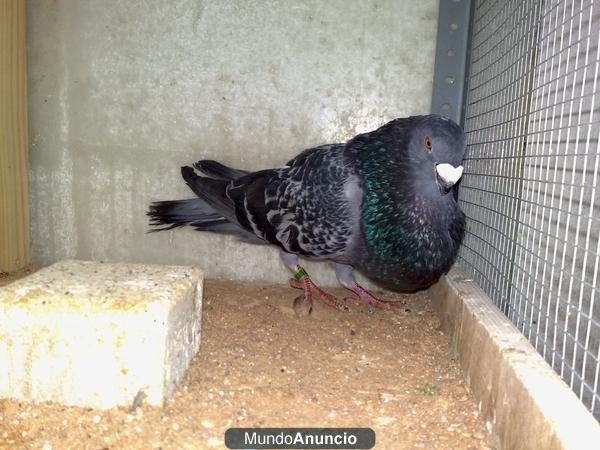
(198, 214)
(218, 171)
(177, 213)
(213, 211)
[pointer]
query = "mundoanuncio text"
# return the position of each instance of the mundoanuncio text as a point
(298, 438)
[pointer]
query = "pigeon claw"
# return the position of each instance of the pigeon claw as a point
(311, 288)
(365, 297)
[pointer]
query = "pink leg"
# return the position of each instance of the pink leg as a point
(309, 288)
(366, 297)
(345, 276)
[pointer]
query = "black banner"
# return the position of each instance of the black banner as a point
(300, 438)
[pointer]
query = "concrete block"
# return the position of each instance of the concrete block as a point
(97, 334)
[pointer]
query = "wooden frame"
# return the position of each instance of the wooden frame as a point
(523, 401)
(14, 159)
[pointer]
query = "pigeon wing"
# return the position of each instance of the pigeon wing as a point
(304, 208)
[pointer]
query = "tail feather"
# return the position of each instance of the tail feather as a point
(212, 191)
(213, 211)
(177, 213)
(218, 171)
(229, 228)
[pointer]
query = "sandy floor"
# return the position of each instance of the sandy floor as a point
(264, 363)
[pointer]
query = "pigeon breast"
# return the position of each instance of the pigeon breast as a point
(409, 233)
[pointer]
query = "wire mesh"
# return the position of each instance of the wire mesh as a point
(531, 172)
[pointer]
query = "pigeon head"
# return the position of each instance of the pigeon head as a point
(437, 145)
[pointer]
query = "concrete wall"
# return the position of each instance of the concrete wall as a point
(122, 93)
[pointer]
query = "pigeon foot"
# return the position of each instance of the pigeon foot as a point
(365, 297)
(301, 280)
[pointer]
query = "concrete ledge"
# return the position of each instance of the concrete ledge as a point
(524, 401)
(99, 334)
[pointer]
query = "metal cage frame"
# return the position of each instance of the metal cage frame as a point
(521, 77)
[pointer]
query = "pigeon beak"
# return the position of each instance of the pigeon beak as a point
(447, 176)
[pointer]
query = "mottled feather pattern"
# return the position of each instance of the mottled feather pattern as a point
(301, 208)
(376, 203)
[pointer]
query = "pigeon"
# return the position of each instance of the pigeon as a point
(381, 204)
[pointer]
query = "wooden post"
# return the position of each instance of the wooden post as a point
(14, 159)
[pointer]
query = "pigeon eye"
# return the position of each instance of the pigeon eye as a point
(428, 143)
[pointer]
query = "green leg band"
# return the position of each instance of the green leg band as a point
(300, 274)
